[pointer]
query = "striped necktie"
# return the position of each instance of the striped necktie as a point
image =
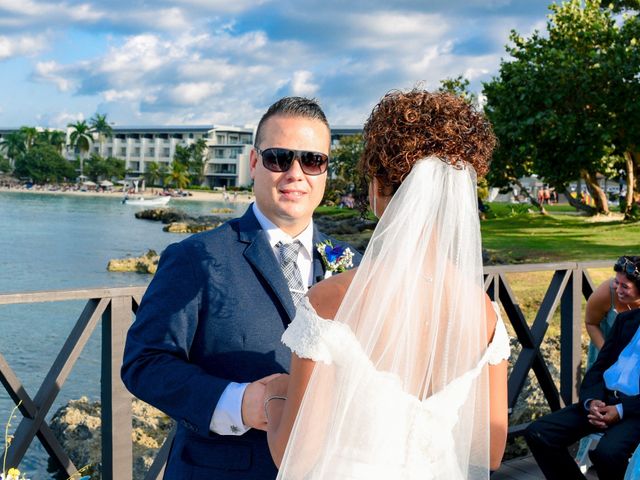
(288, 257)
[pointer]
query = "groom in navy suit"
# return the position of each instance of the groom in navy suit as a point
(206, 338)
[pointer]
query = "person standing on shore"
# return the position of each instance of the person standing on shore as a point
(206, 339)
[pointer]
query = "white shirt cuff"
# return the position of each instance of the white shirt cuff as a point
(620, 410)
(227, 417)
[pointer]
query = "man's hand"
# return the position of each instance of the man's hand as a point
(253, 403)
(594, 416)
(602, 415)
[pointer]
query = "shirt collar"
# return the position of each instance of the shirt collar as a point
(275, 235)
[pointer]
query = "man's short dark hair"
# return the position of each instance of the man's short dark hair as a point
(292, 107)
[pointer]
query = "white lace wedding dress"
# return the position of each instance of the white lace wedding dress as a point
(398, 436)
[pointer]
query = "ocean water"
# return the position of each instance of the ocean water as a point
(54, 242)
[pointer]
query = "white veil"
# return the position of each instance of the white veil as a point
(416, 306)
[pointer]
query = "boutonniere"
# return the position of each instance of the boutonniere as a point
(335, 259)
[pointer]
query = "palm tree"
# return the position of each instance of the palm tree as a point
(55, 138)
(14, 146)
(30, 134)
(199, 158)
(178, 175)
(100, 126)
(81, 138)
(154, 173)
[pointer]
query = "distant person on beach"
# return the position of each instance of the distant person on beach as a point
(206, 339)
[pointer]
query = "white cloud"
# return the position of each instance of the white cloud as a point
(225, 62)
(193, 93)
(122, 95)
(302, 85)
(222, 6)
(22, 45)
(54, 73)
(85, 12)
(59, 119)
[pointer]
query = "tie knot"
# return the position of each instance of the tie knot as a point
(289, 251)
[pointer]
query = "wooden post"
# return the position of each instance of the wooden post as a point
(571, 338)
(117, 453)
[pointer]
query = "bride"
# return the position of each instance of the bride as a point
(399, 367)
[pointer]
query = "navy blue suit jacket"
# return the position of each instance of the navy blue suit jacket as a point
(593, 385)
(214, 313)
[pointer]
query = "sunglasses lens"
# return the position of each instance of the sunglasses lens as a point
(313, 163)
(277, 159)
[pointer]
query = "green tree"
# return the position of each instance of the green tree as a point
(154, 173)
(81, 139)
(43, 164)
(30, 134)
(199, 155)
(5, 165)
(178, 175)
(116, 168)
(99, 168)
(459, 86)
(557, 105)
(100, 125)
(182, 155)
(343, 173)
(14, 146)
(56, 138)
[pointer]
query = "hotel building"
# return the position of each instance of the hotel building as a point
(227, 156)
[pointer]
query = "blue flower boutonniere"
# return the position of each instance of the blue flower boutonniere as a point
(336, 259)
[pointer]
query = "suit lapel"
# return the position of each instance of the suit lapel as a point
(318, 266)
(260, 255)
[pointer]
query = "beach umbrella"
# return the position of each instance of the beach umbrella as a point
(89, 183)
(106, 183)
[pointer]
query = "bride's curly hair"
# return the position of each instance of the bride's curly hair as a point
(405, 127)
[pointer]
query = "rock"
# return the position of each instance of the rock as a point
(190, 227)
(179, 222)
(164, 215)
(77, 426)
(147, 263)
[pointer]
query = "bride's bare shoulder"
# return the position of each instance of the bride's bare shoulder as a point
(325, 297)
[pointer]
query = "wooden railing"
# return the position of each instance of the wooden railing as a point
(569, 283)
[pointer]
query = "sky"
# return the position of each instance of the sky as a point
(223, 62)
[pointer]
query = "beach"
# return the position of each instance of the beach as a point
(192, 195)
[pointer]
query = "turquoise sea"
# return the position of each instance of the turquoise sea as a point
(54, 242)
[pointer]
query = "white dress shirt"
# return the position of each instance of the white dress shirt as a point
(624, 374)
(227, 416)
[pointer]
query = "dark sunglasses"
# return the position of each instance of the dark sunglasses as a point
(281, 159)
(625, 265)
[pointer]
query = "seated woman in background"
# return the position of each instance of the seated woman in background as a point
(613, 296)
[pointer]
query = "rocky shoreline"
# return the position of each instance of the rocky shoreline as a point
(345, 227)
(77, 425)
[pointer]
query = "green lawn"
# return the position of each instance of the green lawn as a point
(513, 235)
(516, 236)
(534, 238)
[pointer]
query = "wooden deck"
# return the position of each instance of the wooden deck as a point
(525, 468)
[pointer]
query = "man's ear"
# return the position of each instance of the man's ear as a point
(253, 161)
